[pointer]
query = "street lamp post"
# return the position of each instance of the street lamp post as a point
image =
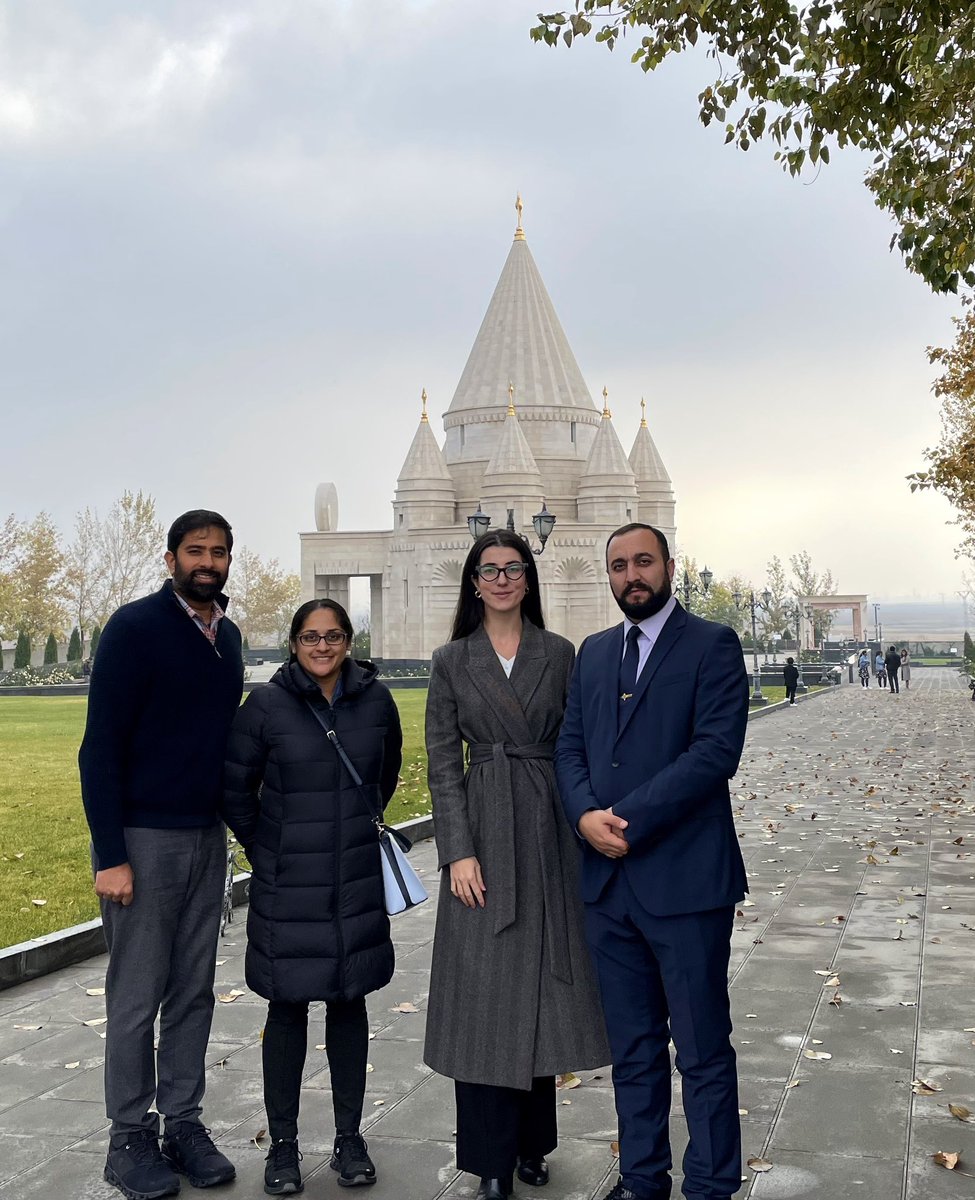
(687, 589)
(542, 522)
(757, 699)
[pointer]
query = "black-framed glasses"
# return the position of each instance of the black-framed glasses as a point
(490, 572)
(334, 637)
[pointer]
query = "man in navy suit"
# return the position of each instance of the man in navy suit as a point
(653, 731)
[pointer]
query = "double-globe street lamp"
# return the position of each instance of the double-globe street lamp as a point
(757, 699)
(687, 589)
(543, 523)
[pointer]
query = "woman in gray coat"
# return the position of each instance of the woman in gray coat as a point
(513, 999)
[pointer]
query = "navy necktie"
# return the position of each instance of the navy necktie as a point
(631, 661)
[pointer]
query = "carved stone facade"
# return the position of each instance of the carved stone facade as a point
(521, 427)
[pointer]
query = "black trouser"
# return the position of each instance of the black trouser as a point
(790, 692)
(892, 679)
(284, 1048)
(498, 1125)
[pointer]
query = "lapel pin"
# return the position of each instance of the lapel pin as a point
(627, 696)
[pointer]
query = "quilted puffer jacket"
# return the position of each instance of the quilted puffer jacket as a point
(317, 927)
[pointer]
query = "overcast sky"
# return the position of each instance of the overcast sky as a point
(239, 238)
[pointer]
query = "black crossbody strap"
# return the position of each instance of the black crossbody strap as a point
(339, 750)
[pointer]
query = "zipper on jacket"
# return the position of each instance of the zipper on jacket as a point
(336, 904)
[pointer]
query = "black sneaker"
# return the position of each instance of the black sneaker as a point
(189, 1149)
(282, 1175)
(136, 1167)
(351, 1160)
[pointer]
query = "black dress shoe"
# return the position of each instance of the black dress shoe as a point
(533, 1171)
(493, 1189)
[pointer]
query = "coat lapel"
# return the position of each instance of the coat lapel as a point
(530, 665)
(668, 638)
(493, 685)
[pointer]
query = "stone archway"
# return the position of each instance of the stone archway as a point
(855, 602)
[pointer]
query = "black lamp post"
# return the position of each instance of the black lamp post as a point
(542, 522)
(687, 589)
(757, 699)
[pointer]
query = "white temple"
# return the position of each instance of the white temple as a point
(521, 430)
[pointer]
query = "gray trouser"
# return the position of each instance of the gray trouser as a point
(162, 956)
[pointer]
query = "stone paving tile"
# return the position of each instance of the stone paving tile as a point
(826, 793)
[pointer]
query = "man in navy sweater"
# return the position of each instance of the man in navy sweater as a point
(165, 685)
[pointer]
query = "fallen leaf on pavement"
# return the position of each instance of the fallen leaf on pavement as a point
(405, 1007)
(817, 1055)
(759, 1165)
(947, 1160)
(961, 1112)
(921, 1087)
(568, 1081)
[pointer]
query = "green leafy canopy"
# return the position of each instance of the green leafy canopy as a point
(895, 80)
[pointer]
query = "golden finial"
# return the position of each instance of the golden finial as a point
(607, 415)
(511, 399)
(643, 413)
(519, 232)
(423, 397)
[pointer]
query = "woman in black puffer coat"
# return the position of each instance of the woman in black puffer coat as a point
(317, 927)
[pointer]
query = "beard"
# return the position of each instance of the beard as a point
(188, 584)
(640, 610)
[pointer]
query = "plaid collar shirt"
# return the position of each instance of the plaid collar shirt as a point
(209, 631)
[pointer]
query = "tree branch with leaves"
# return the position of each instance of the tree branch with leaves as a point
(896, 81)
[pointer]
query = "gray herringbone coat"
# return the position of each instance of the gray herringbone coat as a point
(512, 990)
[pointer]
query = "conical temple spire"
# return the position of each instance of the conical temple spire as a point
(607, 458)
(424, 462)
(644, 458)
(512, 455)
(521, 339)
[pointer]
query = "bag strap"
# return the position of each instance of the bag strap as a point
(377, 817)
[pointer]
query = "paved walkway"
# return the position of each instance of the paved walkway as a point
(857, 819)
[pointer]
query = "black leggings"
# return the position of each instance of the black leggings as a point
(284, 1047)
(498, 1125)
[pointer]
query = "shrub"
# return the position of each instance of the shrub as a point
(22, 653)
(969, 647)
(74, 646)
(50, 650)
(96, 634)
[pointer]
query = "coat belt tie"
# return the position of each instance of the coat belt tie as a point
(501, 886)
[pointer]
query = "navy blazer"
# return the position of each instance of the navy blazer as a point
(664, 765)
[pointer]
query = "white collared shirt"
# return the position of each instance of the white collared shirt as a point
(650, 628)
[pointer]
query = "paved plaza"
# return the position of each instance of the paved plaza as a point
(853, 978)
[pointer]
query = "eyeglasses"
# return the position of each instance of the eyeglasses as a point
(490, 572)
(334, 637)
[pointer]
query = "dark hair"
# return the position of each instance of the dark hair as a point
(311, 606)
(470, 609)
(197, 518)
(661, 537)
(791, 662)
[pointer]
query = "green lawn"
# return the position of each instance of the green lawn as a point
(43, 835)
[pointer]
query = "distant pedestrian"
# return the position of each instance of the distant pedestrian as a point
(881, 669)
(906, 667)
(892, 661)
(790, 673)
(864, 664)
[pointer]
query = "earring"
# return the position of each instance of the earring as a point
(527, 589)
(477, 593)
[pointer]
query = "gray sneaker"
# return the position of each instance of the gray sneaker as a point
(137, 1168)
